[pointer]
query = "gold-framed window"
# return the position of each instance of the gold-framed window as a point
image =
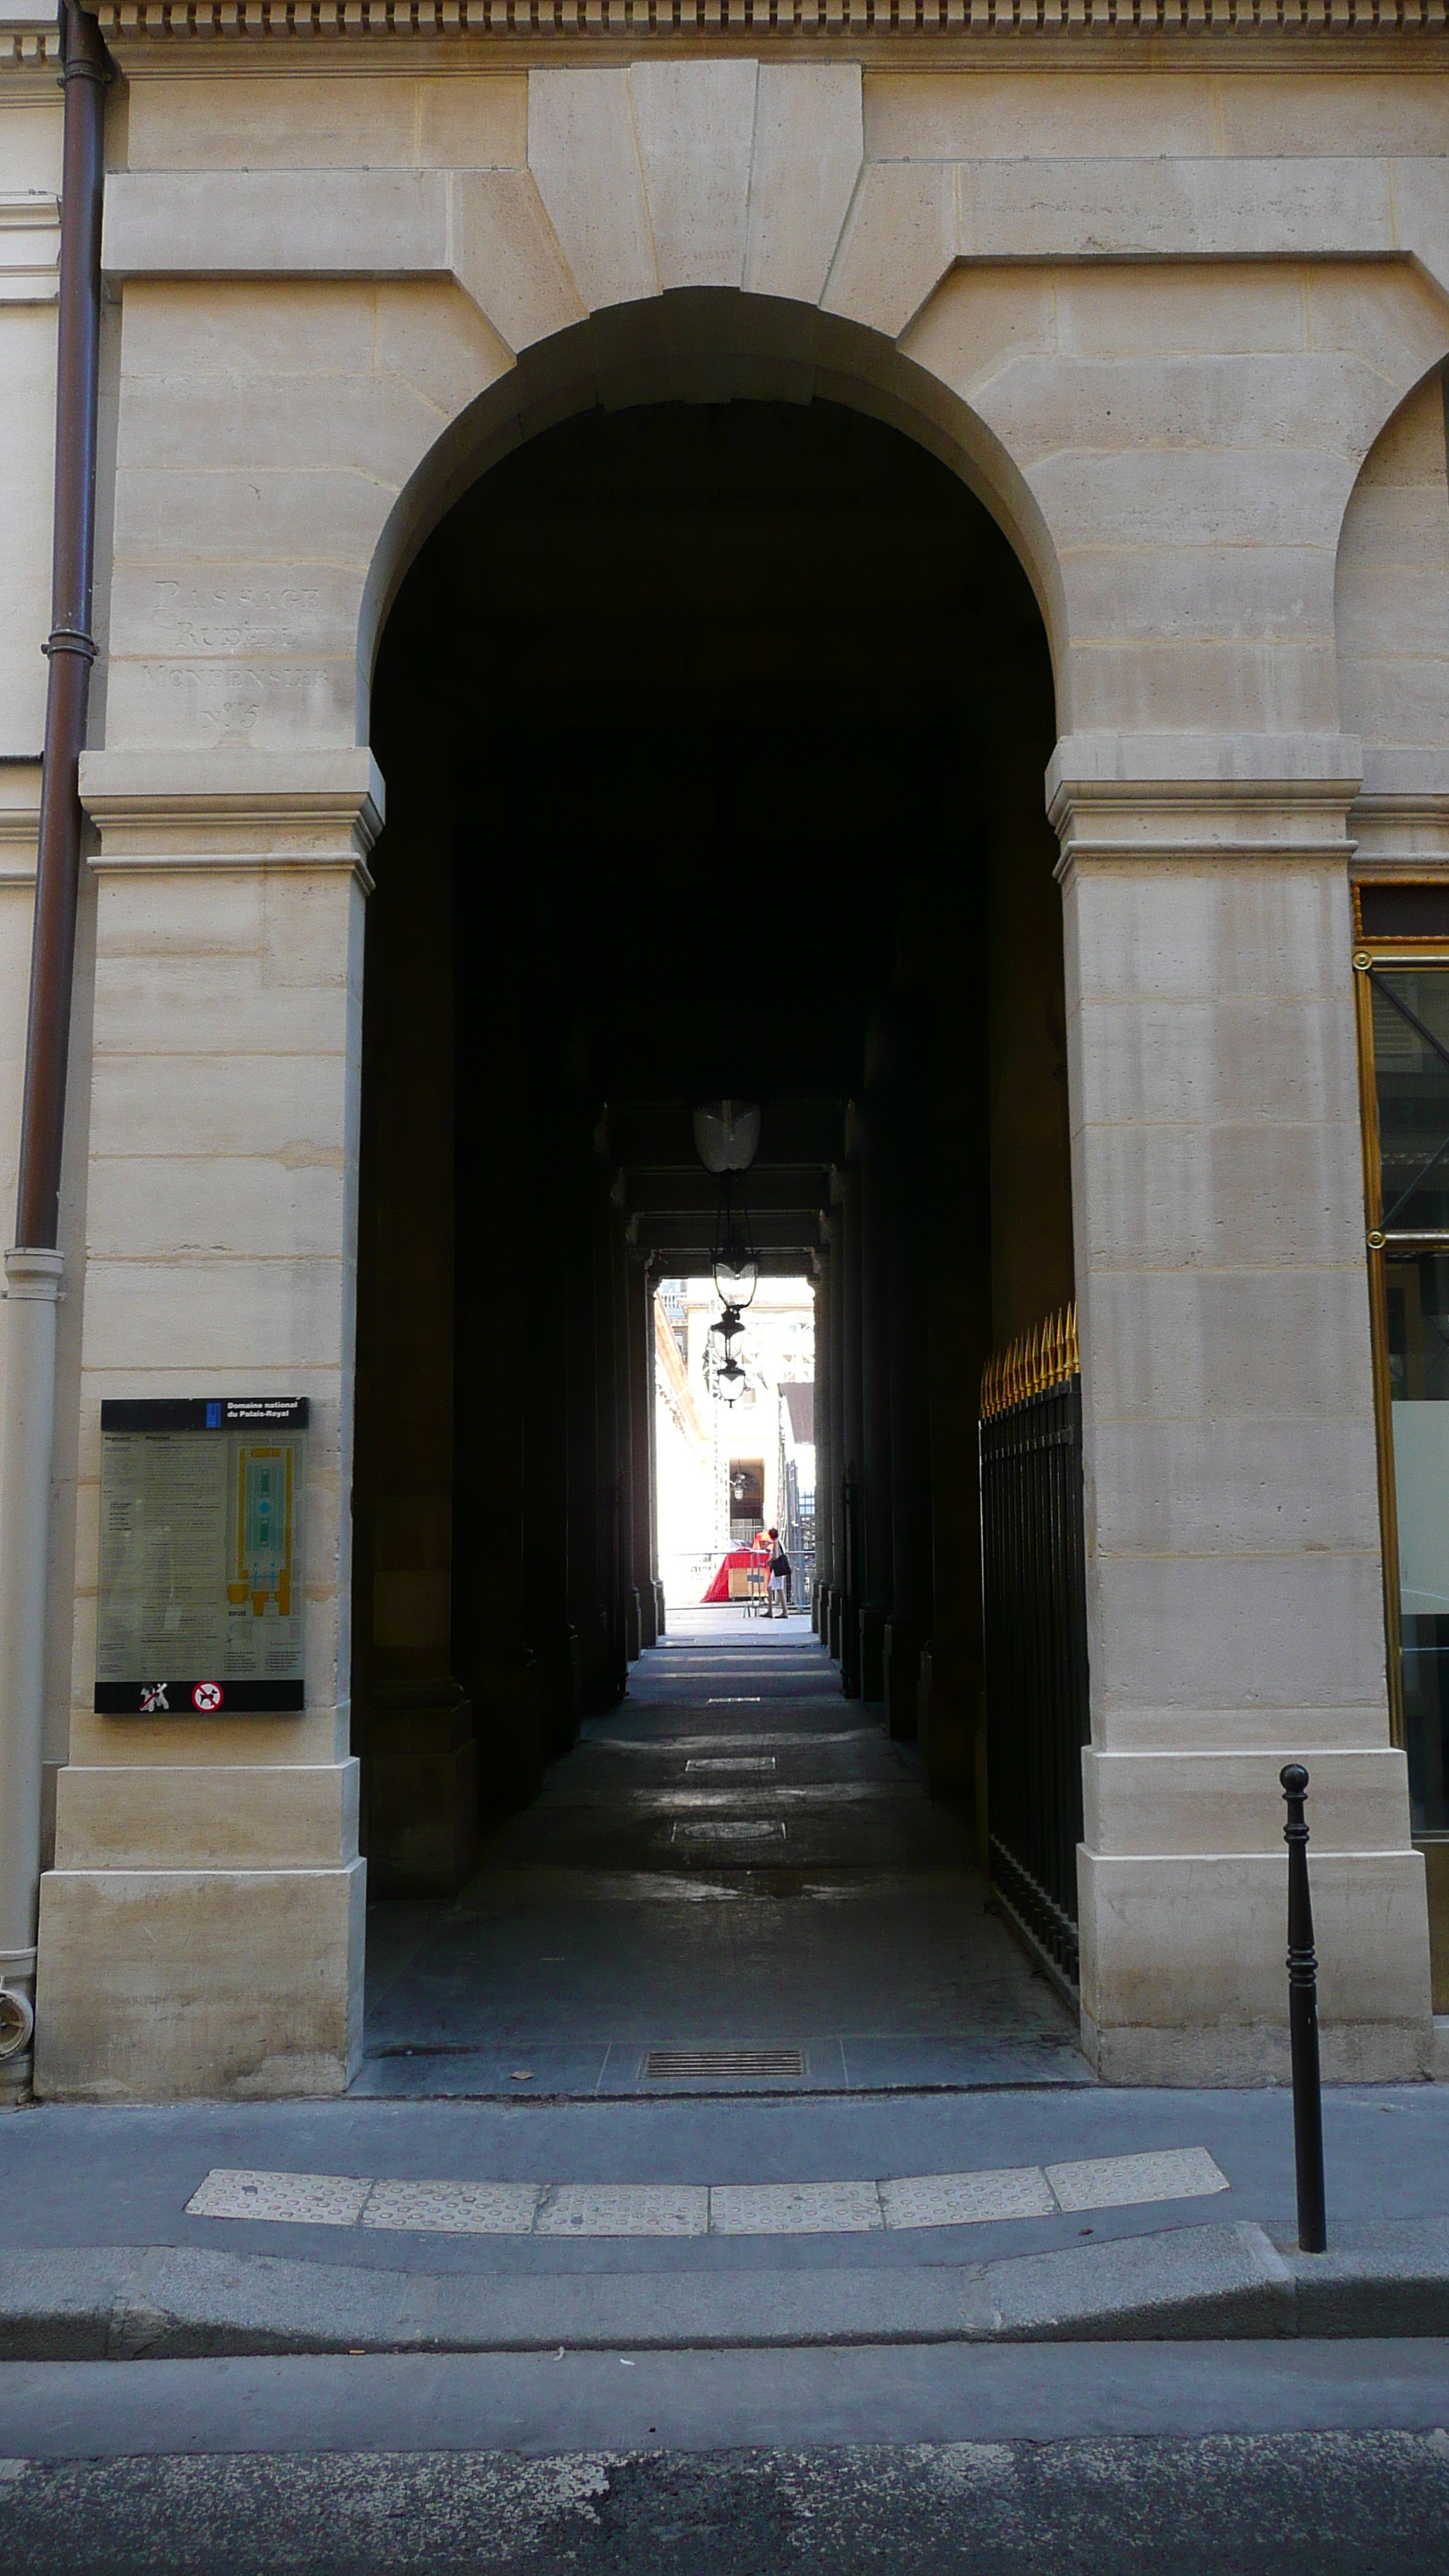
(1401, 962)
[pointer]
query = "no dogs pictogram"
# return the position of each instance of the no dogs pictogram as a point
(206, 1695)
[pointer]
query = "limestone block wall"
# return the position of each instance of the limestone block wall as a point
(1392, 595)
(30, 124)
(1159, 322)
(1392, 617)
(29, 239)
(1171, 442)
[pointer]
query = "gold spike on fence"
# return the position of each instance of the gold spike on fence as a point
(1049, 1355)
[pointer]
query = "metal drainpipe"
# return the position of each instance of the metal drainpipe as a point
(33, 1267)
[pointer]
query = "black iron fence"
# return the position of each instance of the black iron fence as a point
(797, 1529)
(1033, 1561)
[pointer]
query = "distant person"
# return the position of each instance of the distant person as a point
(778, 1587)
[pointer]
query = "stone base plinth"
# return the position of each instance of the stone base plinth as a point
(158, 1984)
(558, 1688)
(872, 1654)
(901, 1665)
(1183, 1977)
(1436, 1871)
(422, 1790)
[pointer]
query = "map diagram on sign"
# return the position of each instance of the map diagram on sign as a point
(202, 1577)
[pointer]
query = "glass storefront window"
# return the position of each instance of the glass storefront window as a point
(1411, 1074)
(1402, 979)
(1416, 1297)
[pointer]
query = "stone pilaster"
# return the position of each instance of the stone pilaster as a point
(1234, 1581)
(201, 1930)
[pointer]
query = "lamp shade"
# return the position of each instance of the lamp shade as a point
(736, 1277)
(727, 1135)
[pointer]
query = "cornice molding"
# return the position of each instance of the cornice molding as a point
(1101, 25)
(1401, 827)
(183, 812)
(1166, 798)
(29, 36)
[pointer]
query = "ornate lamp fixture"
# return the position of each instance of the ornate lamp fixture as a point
(730, 1381)
(727, 1138)
(724, 1374)
(736, 1270)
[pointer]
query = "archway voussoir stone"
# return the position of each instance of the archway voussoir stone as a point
(583, 151)
(506, 256)
(899, 244)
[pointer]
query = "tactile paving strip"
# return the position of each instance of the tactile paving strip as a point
(793, 2208)
(455, 2208)
(624, 2209)
(1118, 2182)
(966, 2199)
(691, 2209)
(312, 2200)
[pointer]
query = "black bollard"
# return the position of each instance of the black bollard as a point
(1303, 2021)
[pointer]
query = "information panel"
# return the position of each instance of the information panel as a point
(202, 1561)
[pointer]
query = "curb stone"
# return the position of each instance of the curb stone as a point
(123, 2303)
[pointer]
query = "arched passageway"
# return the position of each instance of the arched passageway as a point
(714, 737)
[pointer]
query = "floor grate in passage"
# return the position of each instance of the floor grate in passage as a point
(675, 2062)
(731, 1762)
(729, 1829)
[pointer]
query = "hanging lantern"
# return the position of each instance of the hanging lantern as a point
(736, 1271)
(730, 1381)
(724, 1373)
(725, 1330)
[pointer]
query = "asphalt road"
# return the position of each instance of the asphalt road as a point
(1282, 2503)
(1016, 2461)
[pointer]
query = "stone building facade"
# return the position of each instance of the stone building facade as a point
(1166, 288)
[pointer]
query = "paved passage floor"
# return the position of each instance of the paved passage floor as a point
(734, 1882)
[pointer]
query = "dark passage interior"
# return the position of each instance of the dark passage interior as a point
(714, 739)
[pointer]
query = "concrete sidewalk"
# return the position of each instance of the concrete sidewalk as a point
(103, 2259)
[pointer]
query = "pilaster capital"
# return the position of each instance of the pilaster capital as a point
(1165, 796)
(234, 809)
(1401, 818)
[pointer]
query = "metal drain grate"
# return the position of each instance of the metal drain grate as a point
(664, 2062)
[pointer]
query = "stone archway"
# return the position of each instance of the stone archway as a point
(642, 850)
(310, 364)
